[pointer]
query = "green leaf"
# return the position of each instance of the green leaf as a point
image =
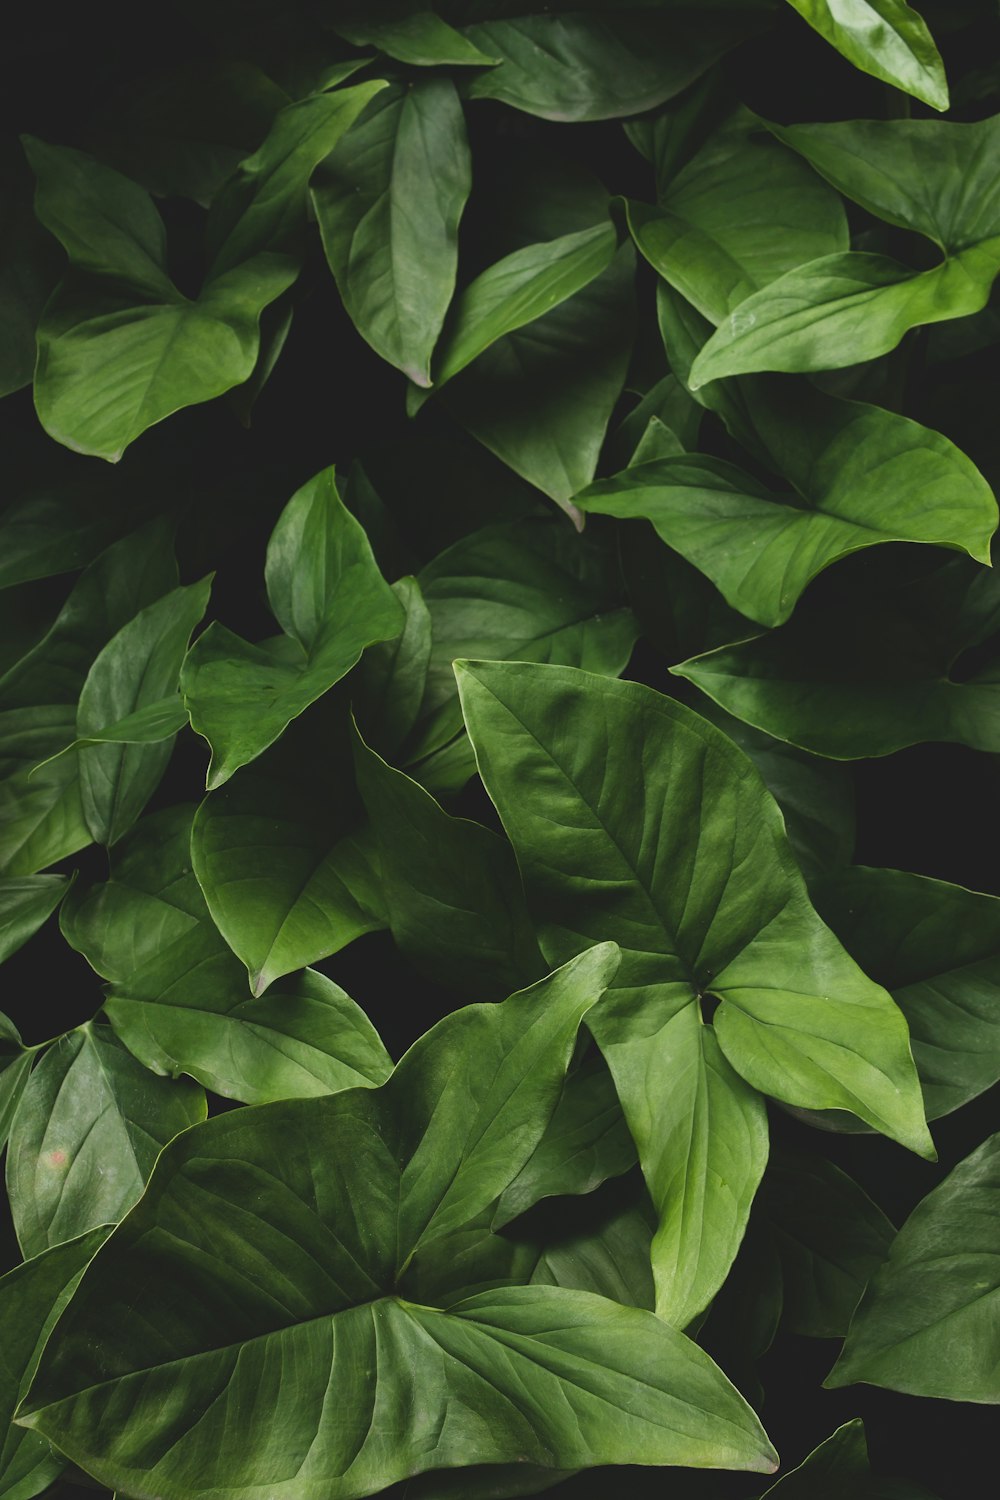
(157, 721)
(262, 207)
(451, 887)
(556, 1378)
(936, 948)
(418, 37)
(601, 849)
(541, 397)
(25, 903)
(736, 216)
(518, 290)
(136, 670)
(611, 1259)
(178, 996)
(41, 816)
(886, 38)
(276, 855)
(860, 476)
(844, 309)
(926, 1324)
(392, 676)
(61, 528)
(584, 66)
(587, 1141)
(15, 1065)
(32, 1296)
(829, 1238)
(89, 1126)
(29, 268)
(329, 597)
(935, 177)
(839, 1466)
(868, 664)
(389, 199)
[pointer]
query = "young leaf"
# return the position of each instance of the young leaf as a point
(736, 216)
(886, 38)
(178, 997)
(275, 852)
(877, 679)
(936, 948)
(86, 1133)
(136, 670)
(600, 847)
(583, 66)
(839, 1466)
(388, 200)
(861, 476)
(25, 903)
(451, 887)
(32, 1296)
(329, 597)
(926, 1325)
(41, 815)
(561, 1379)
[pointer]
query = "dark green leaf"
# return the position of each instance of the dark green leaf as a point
(622, 61)
(329, 597)
(15, 1065)
(608, 791)
(736, 217)
(865, 667)
(860, 476)
(25, 903)
(388, 200)
(886, 38)
(451, 887)
(59, 529)
(29, 268)
(277, 855)
(927, 1323)
(936, 948)
(839, 1466)
(31, 1299)
(392, 677)
(89, 1126)
(418, 37)
(178, 997)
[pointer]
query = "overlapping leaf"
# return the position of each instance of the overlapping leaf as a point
(886, 38)
(330, 599)
(178, 996)
(839, 1466)
(558, 1378)
(632, 818)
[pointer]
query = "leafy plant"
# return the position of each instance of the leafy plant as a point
(502, 501)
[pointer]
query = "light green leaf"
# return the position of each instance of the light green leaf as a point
(389, 199)
(886, 38)
(839, 1466)
(418, 37)
(178, 997)
(556, 1378)
(842, 310)
(860, 476)
(25, 903)
(329, 597)
(586, 1142)
(32, 1296)
(736, 216)
(541, 398)
(583, 66)
(927, 1323)
(936, 948)
(15, 1065)
(41, 816)
(89, 1126)
(869, 664)
(935, 177)
(136, 670)
(276, 856)
(451, 887)
(519, 289)
(634, 819)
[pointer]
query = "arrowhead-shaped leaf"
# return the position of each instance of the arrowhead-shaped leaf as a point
(927, 1323)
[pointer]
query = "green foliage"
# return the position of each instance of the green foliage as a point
(469, 1019)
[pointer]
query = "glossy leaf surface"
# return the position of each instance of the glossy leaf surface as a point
(927, 1323)
(886, 38)
(178, 996)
